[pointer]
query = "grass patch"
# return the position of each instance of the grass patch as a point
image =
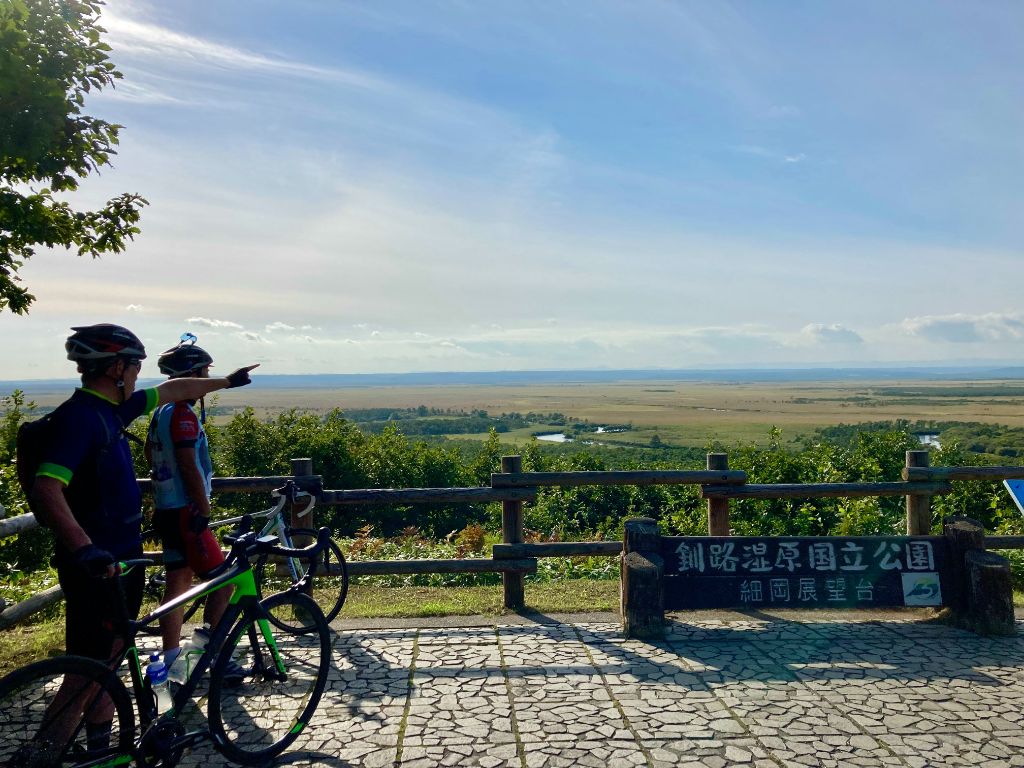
(574, 596)
(25, 643)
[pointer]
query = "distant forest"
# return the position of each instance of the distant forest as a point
(445, 421)
(994, 440)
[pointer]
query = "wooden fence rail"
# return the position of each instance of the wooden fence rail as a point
(994, 474)
(639, 477)
(514, 558)
(427, 495)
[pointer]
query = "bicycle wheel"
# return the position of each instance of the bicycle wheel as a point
(328, 574)
(45, 706)
(257, 719)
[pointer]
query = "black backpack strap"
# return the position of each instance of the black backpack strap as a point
(123, 431)
(133, 437)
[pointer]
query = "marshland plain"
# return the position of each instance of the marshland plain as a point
(682, 413)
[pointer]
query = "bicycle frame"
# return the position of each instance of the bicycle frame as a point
(276, 524)
(243, 602)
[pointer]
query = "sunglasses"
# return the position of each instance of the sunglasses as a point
(136, 363)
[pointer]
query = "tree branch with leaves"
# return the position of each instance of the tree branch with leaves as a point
(51, 57)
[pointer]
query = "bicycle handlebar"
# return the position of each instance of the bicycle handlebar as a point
(293, 494)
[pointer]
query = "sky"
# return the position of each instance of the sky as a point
(360, 187)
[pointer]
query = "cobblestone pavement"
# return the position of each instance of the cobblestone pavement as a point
(716, 692)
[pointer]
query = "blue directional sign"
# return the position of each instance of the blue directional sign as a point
(1016, 489)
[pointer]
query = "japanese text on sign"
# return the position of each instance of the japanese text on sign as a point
(845, 557)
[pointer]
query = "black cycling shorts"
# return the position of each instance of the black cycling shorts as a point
(184, 548)
(92, 606)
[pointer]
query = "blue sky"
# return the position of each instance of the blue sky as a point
(408, 186)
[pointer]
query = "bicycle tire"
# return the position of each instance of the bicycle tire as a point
(156, 584)
(34, 734)
(259, 718)
(329, 582)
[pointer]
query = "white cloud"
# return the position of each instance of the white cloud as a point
(210, 323)
(830, 334)
(155, 46)
(141, 93)
(134, 308)
(252, 336)
(142, 38)
(279, 326)
(960, 328)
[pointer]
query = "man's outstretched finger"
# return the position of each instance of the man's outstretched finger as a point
(240, 377)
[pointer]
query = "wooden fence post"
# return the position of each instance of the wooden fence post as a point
(718, 509)
(983, 601)
(641, 568)
(919, 507)
(512, 533)
(302, 472)
(12, 614)
(991, 594)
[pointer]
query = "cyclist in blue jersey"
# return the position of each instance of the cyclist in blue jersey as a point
(179, 455)
(85, 489)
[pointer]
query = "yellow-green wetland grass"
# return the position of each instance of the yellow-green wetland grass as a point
(682, 413)
(687, 413)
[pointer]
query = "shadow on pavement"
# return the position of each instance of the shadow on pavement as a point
(309, 757)
(762, 647)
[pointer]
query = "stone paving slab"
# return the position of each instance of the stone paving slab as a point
(762, 692)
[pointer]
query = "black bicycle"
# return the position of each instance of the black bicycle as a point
(46, 706)
(325, 574)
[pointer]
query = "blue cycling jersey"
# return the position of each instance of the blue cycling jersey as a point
(87, 451)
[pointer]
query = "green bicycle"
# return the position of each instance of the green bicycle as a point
(45, 707)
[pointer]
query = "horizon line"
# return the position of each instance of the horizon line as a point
(803, 370)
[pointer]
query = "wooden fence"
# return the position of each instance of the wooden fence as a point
(514, 558)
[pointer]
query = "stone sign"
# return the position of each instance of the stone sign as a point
(805, 572)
